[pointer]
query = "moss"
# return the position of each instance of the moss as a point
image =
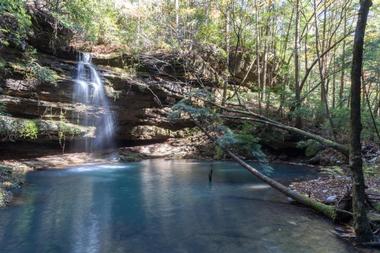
(328, 211)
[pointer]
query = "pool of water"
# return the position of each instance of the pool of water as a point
(161, 206)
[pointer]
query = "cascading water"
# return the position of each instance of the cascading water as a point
(89, 91)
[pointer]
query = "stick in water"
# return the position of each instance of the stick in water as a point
(210, 174)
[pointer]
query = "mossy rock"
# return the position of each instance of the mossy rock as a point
(311, 147)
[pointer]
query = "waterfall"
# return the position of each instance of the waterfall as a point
(89, 91)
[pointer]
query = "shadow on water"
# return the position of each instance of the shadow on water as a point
(161, 206)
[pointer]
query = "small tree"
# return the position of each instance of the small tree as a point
(361, 223)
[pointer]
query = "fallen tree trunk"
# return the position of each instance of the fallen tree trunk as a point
(326, 142)
(326, 210)
(263, 120)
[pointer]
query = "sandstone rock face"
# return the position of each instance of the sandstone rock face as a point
(196, 146)
(140, 105)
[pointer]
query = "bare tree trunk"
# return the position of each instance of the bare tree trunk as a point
(322, 69)
(343, 69)
(326, 210)
(296, 65)
(228, 54)
(257, 46)
(139, 23)
(361, 223)
(334, 80)
(177, 18)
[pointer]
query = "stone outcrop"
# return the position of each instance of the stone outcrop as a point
(140, 104)
(196, 146)
(14, 129)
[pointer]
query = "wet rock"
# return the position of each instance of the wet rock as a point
(331, 199)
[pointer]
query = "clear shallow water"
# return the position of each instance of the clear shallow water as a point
(161, 206)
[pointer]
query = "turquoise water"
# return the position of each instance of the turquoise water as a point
(161, 206)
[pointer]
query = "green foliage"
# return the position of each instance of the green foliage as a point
(211, 33)
(242, 141)
(341, 117)
(94, 20)
(65, 130)
(372, 170)
(186, 106)
(41, 73)
(3, 64)
(219, 153)
(35, 71)
(333, 171)
(16, 27)
(246, 138)
(311, 147)
(29, 130)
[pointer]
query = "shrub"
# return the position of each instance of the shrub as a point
(311, 147)
(42, 74)
(29, 130)
(15, 22)
(35, 71)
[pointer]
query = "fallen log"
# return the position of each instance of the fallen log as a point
(328, 211)
(263, 120)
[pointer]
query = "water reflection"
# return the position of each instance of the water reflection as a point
(161, 206)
